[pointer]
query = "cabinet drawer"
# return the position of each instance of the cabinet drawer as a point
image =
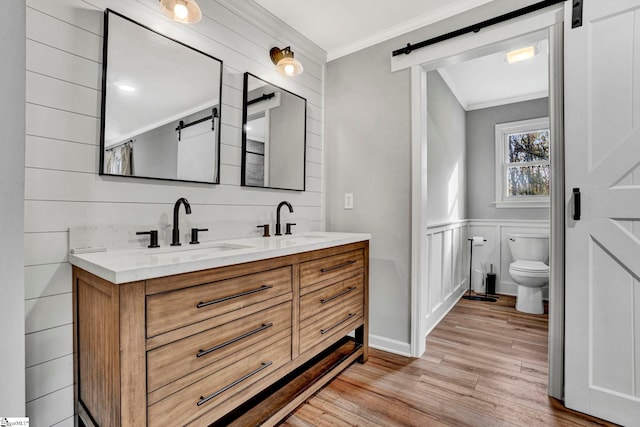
(245, 335)
(225, 385)
(326, 268)
(340, 320)
(330, 296)
(172, 310)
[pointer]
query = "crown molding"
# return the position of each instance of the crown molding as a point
(414, 24)
(487, 104)
(510, 100)
(271, 24)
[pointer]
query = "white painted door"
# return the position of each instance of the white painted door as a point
(196, 153)
(602, 147)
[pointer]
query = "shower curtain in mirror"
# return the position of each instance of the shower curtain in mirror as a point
(119, 159)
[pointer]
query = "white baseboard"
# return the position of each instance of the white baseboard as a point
(390, 345)
(404, 348)
(436, 317)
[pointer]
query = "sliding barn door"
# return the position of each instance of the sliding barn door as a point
(602, 119)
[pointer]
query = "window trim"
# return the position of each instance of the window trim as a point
(501, 132)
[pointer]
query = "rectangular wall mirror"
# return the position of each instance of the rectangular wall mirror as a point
(273, 136)
(160, 106)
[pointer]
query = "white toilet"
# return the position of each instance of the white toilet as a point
(529, 269)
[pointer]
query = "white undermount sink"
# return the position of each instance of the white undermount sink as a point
(303, 238)
(196, 252)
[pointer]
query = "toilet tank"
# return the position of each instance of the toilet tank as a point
(529, 247)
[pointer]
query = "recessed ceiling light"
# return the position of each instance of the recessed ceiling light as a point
(125, 88)
(522, 54)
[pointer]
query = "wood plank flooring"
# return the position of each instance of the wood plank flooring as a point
(485, 365)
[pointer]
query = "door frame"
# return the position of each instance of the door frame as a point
(459, 49)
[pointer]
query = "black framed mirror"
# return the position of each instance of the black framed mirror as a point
(161, 106)
(274, 135)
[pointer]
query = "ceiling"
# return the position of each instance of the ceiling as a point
(490, 80)
(341, 27)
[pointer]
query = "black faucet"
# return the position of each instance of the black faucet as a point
(278, 227)
(175, 241)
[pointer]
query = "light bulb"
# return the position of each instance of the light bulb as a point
(181, 11)
(289, 69)
(126, 88)
(286, 64)
(521, 54)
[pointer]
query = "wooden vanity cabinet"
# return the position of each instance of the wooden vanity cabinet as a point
(243, 344)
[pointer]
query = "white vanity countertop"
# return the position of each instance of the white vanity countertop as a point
(129, 265)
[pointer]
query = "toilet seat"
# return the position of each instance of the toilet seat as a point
(530, 267)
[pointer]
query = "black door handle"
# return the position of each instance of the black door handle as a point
(576, 204)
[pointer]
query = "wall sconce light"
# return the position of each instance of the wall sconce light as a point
(285, 63)
(185, 11)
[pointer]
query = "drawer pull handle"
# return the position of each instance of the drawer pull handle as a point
(204, 400)
(335, 267)
(233, 340)
(241, 294)
(324, 331)
(338, 295)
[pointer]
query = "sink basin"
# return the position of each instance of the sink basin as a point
(303, 238)
(197, 252)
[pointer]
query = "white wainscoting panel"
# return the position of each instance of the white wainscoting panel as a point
(483, 256)
(62, 185)
(446, 262)
(496, 249)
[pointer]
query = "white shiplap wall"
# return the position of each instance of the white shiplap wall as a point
(63, 189)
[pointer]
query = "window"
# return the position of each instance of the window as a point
(522, 163)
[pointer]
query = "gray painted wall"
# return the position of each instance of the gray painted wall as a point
(155, 153)
(12, 116)
(287, 143)
(367, 143)
(481, 175)
(446, 157)
(368, 146)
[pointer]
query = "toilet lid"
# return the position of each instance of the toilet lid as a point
(529, 266)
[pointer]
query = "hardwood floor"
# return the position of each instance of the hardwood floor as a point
(485, 365)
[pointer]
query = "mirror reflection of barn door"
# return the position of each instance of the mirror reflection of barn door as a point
(196, 153)
(602, 147)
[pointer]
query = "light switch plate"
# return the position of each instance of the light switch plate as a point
(348, 200)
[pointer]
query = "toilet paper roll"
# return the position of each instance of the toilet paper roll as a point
(478, 241)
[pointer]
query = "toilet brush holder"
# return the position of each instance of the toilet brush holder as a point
(491, 283)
